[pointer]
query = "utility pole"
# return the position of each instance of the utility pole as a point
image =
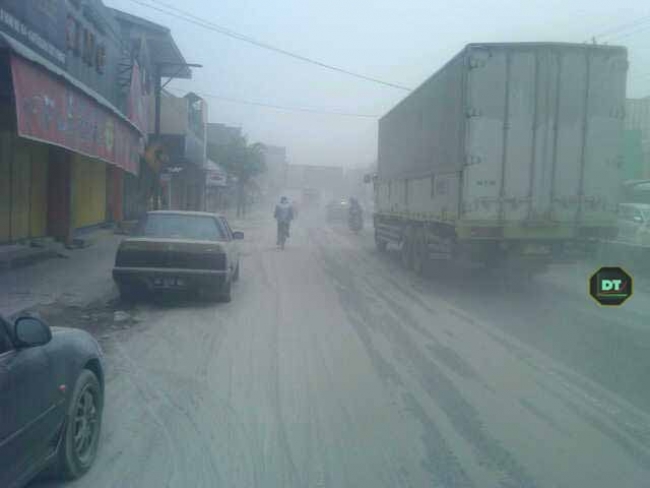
(157, 91)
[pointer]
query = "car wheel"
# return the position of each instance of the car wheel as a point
(78, 446)
(226, 292)
(380, 243)
(128, 293)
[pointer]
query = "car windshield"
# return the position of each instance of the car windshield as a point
(178, 226)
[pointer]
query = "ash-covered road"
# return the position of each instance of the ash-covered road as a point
(333, 367)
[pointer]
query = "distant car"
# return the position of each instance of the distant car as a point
(176, 250)
(51, 400)
(337, 211)
(634, 223)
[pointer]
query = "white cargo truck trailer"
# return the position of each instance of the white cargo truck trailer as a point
(508, 157)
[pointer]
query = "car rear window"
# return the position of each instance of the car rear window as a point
(171, 226)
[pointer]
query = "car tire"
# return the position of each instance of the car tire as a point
(86, 403)
(225, 294)
(128, 293)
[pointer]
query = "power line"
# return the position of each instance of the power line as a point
(623, 27)
(625, 35)
(281, 107)
(193, 19)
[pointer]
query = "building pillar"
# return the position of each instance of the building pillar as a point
(59, 197)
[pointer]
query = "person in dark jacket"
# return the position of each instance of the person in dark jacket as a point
(284, 215)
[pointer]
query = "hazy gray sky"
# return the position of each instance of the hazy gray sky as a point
(402, 42)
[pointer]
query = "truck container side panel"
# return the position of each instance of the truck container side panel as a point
(544, 157)
(381, 196)
(519, 150)
(486, 102)
(430, 198)
(423, 133)
(446, 196)
(569, 115)
(420, 198)
(602, 175)
(537, 140)
(398, 196)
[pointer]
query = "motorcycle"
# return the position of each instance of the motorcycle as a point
(355, 221)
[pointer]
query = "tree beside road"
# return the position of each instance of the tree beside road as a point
(241, 160)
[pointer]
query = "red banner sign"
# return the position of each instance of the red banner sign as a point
(52, 111)
(138, 101)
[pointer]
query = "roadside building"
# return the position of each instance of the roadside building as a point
(68, 130)
(220, 186)
(158, 56)
(183, 139)
(216, 186)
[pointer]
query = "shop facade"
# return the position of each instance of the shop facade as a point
(73, 119)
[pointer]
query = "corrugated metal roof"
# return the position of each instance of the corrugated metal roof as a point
(163, 48)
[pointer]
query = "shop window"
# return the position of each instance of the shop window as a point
(73, 35)
(100, 58)
(89, 47)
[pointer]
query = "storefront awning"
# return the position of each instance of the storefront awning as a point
(53, 108)
(50, 111)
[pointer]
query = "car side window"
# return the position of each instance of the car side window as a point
(226, 228)
(5, 342)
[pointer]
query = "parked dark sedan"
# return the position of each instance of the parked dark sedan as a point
(176, 250)
(51, 400)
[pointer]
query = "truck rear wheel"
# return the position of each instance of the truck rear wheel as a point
(406, 252)
(380, 243)
(419, 252)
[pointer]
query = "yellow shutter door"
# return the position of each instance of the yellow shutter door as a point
(89, 191)
(38, 206)
(20, 200)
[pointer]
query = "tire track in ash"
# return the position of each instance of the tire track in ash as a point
(274, 372)
(149, 398)
(184, 393)
(625, 416)
(441, 463)
(600, 407)
(462, 415)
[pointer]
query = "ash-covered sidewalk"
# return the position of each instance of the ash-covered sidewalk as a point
(76, 277)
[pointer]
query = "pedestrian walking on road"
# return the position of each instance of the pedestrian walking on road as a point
(283, 215)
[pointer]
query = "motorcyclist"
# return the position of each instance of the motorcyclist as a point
(355, 207)
(284, 215)
(355, 211)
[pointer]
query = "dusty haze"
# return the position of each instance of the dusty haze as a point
(400, 42)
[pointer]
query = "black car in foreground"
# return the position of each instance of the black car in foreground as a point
(51, 400)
